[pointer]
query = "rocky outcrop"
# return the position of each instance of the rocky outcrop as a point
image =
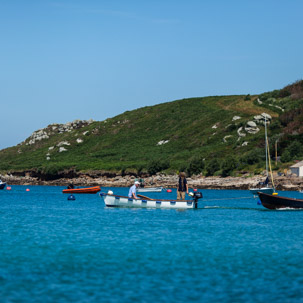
(251, 127)
(261, 118)
(53, 129)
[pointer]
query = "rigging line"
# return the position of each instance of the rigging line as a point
(248, 197)
(269, 162)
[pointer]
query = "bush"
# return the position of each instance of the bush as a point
(252, 158)
(284, 93)
(292, 151)
(295, 149)
(195, 166)
(155, 166)
(227, 166)
(51, 169)
(212, 167)
(231, 127)
(139, 169)
(286, 157)
(247, 97)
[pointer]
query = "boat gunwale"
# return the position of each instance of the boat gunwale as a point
(281, 198)
(81, 190)
(150, 199)
(274, 202)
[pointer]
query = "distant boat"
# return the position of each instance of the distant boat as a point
(263, 189)
(149, 189)
(83, 190)
(264, 186)
(277, 202)
(112, 200)
(2, 184)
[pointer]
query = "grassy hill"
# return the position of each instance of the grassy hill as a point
(196, 134)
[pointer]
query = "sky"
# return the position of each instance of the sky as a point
(62, 60)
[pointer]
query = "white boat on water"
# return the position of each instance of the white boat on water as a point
(264, 190)
(149, 189)
(112, 200)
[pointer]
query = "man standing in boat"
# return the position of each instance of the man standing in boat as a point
(182, 187)
(133, 190)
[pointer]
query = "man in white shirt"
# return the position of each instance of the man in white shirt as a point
(133, 190)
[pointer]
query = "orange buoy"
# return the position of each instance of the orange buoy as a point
(195, 189)
(169, 191)
(27, 189)
(8, 188)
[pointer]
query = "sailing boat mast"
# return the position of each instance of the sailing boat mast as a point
(266, 154)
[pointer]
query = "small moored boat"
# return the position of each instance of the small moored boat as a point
(83, 190)
(277, 202)
(2, 184)
(149, 189)
(265, 190)
(112, 200)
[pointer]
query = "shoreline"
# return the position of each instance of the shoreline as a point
(290, 182)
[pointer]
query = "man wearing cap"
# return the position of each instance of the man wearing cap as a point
(133, 190)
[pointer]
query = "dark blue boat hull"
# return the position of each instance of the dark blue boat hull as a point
(277, 202)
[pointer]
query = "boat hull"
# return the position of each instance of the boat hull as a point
(265, 190)
(121, 201)
(85, 190)
(2, 185)
(277, 202)
(149, 189)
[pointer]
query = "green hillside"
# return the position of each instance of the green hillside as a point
(196, 134)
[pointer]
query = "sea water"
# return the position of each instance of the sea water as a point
(229, 250)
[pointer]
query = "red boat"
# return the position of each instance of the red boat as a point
(83, 190)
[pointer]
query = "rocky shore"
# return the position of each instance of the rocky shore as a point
(289, 182)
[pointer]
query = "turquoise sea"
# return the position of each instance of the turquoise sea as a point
(229, 250)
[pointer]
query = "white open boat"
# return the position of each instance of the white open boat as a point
(149, 189)
(111, 200)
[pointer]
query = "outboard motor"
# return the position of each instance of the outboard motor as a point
(196, 196)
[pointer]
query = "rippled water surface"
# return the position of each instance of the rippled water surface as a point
(230, 249)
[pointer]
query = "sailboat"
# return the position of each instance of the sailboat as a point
(264, 186)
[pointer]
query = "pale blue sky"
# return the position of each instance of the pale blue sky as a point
(63, 60)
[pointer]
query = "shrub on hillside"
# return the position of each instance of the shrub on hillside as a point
(227, 166)
(295, 149)
(155, 166)
(275, 125)
(286, 157)
(251, 158)
(295, 90)
(51, 169)
(212, 167)
(139, 169)
(231, 127)
(284, 93)
(195, 166)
